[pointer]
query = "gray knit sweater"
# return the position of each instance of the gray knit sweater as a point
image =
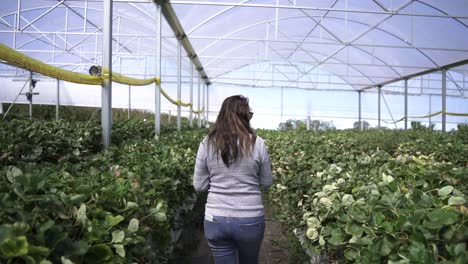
(233, 191)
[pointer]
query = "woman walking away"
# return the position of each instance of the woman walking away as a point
(233, 165)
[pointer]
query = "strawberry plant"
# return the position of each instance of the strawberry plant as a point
(379, 196)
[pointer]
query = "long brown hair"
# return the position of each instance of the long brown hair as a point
(232, 137)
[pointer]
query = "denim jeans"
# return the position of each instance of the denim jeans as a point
(232, 238)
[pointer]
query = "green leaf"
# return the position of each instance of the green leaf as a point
(133, 225)
(459, 249)
(336, 237)
(325, 201)
(347, 199)
(160, 217)
(5, 232)
(443, 216)
(358, 213)
(442, 192)
(321, 241)
(312, 233)
(351, 254)
(78, 198)
(456, 200)
(99, 254)
(131, 205)
(14, 247)
(354, 230)
(81, 215)
(385, 246)
(64, 260)
(313, 222)
(13, 172)
(119, 249)
(111, 221)
(38, 250)
(118, 236)
(418, 252)
(76, 152)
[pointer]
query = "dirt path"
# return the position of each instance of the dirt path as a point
(277, 247)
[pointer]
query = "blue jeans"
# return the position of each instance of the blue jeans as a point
(232, 238)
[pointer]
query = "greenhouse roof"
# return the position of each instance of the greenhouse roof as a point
(363, 43)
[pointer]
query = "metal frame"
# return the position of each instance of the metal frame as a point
(27, 27)
(106, 108)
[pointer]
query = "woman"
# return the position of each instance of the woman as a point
(233, 165)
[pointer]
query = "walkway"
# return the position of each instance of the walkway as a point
(276, 247)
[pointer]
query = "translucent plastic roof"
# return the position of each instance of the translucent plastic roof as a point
(359, 43)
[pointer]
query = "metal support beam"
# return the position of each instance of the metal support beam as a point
(271, 5)
(281, 105)
(179, 84)
(106, 107)
(129, 101)
(208, 89)
(430, 110)
(57, 102)
(426, 72)
(199, 104)
(360, 113)
(406, 104)
(191, 95)
(1, 108)
(179, 32)
(204, 104)
(444, 99)
(157, 62)
(30, 97)
(378, 105)
(308, 123)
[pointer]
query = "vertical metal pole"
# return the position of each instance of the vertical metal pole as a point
(30, 94)
(207, 104)
(199, 104)
(308, 123)
(157, 57)
(1, 108)
(204, 108)
(179, 83)
(406, 103)
(106, 108)
(360, 113)
(129, 101)
(169, 117)
(191, 95)
(378, 103)
(444, 99)
(281, 103)
(430, 110)
(57, 103)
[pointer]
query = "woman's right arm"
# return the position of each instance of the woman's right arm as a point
(265, 175)
(201, 176)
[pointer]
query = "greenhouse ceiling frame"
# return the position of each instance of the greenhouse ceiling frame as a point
(171, 17)
(318, 59)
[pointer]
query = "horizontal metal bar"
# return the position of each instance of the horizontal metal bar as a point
(325, 43)
(312, 8)
(273, 6)
(331, 90)
(445, 67)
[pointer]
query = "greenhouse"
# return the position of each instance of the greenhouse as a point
(362, 104)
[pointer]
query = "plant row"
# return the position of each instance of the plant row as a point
(74, 204)
(374, 197)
